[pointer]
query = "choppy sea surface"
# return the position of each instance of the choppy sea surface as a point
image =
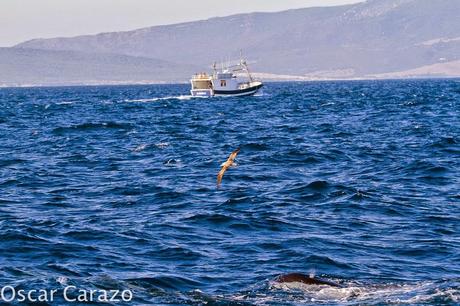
(115, 188)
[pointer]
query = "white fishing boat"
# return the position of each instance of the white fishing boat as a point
(233, 81)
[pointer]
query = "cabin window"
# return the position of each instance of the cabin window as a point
(223, 83)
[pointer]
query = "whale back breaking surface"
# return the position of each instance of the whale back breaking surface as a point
(305, 279)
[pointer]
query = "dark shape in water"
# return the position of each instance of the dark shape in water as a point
(305, 279)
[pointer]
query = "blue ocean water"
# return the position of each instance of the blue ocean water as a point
(115, 188)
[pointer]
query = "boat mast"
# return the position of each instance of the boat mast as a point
(245, 66)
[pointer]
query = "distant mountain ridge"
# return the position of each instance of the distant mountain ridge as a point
(20, 67)
(369, 39)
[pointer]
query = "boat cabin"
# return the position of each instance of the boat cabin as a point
(225, 81)
(202, 85)
(201, 81)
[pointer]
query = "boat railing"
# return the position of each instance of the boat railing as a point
(201, 76)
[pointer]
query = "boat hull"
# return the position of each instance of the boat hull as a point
(251, 90)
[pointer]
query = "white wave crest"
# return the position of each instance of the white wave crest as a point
(156, 99)
(351, 293)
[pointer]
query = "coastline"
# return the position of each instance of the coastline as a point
(282, 79)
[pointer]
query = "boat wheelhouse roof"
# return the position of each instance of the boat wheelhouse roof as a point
(225, 75)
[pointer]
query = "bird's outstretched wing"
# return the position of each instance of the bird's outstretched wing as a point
(233, 155)
(221, 175)
(227, 165)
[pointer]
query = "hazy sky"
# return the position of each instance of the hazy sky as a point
(21, 20)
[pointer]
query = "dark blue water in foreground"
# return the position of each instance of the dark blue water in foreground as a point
(114, 188)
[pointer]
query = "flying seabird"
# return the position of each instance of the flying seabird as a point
(229, 163)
